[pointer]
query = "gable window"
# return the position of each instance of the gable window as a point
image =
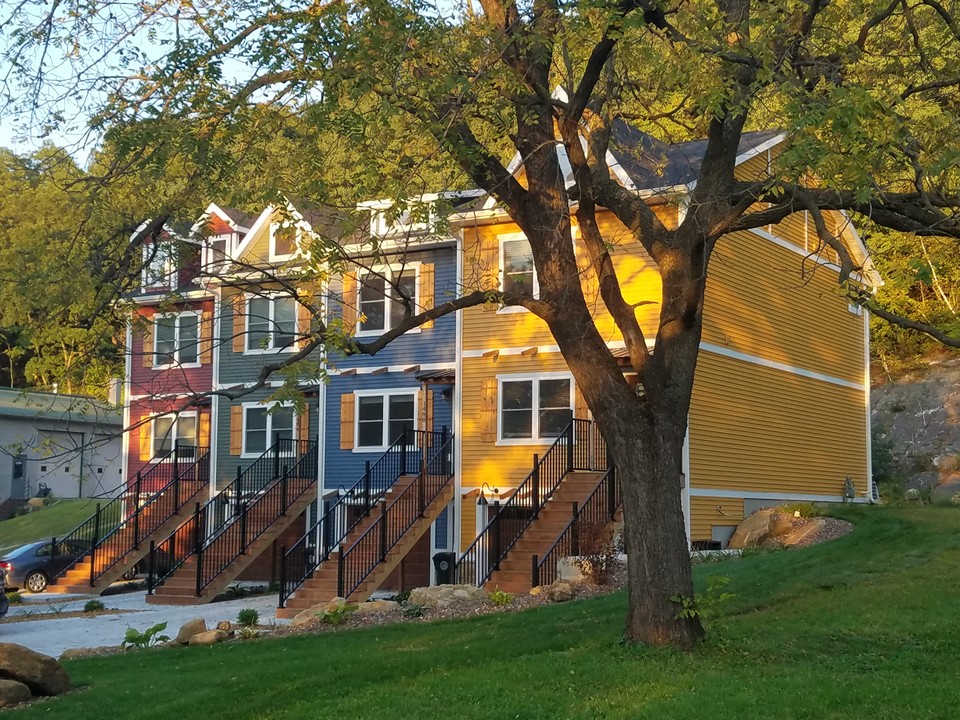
(519, 273)
(263, 426)
(172, 430)
(158, 265)
(271, 323)
(383, 417)
(283, 241)
(534, 408)
(175, 339)
(219, 249)
(380, 304)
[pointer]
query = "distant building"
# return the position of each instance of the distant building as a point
(69, 444)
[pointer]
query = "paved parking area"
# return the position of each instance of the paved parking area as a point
(53, 635)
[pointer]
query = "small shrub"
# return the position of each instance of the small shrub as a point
(336, 615)
(499, 598)
(58, 609)
(411, 610)
(247, 633)
(598, 559)
(146, 639)
(235, 591)
(49, 500)
(14, 598)
(93, 606)
(806, 510)
(248, 617)
(707, 606)
(402, 596)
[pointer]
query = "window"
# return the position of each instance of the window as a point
(534, 408)
(219, 248)
(271, 323)
(382, 418)
(519, 274)
(175, 339)
(381, 306)
(263, 426)
(158, 266)
(283, 241)
(172, 430)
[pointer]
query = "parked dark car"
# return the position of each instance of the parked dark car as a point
(34, 565)
(4, 603)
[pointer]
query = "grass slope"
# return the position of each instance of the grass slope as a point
(863, 627)
(51, 521)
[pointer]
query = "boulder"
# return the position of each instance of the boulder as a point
(781, 525)
(13, 693)
(41, 673)
(377, 606)
(441, 596)
(209, 637)
(189, 629)
(752, 531)
(558, 592)
(307, 616)
(536, 590)
(226, 626)
(74, 653)
(807, 530)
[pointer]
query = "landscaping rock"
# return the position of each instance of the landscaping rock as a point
(74, 653)
(189, 629)
(307, 616)
(210, 637)
(782, 525)
(808, 529)
(225, 626)
(558, 592)
(442, 596)
(13, 693)
(41, 673)
(752, 531)
(377, 606)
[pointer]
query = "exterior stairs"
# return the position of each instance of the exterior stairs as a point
(355, 570)
(514, 573)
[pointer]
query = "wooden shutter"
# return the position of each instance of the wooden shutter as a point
(347, 402)
(203, 433)
(580, 409)
(303, 423)
(148, 343)
(427, 276)
(236, 430)
(349, 303)
(239, 322)
(489, 262)
(304, 324)
(146, 450)
(488, 410)
(206, 337)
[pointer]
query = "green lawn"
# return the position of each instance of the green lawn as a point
(51, 521)
(865, 627)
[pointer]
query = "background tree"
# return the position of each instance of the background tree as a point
(865, 91)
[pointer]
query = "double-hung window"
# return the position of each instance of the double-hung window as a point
(262, 426)
(175, 339)
(271, 323)
(172, 430)
(382, 419)
(381, 305)
(519, 274)
(158, 266)
(534, 408)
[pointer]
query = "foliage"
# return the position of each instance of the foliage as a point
(93, 606)
(14, 598)
(248, 617)
(707, 606)
(599, 560)
(133, 638)
(500, 598)
(411, 610)
(336, 615)
(805, 509)
(247, 632)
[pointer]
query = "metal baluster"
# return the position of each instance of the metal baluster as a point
(575, 531)
(283, 575)
(151, 567)
(496, 535)
(366, 488)
(535, 485)
(534, 571)
(383, 530)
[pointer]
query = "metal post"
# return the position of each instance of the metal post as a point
(366, 488)
(243, 527)
(283, 575)
(283, 490)
(422, 491)
(534, 571)
(176, 477)
(199, 587)
(611, 493)
(443, 444)
(340, 571)
(535, 491)
(197, 532)
(403, 452)
(496, 535)
(151, 566)
(276, 455)
(575, 531)
(570, 446)
(383, 530)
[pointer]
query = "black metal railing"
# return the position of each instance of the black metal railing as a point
(211, 517)
(254, 518)
(394, 519)
(598, 509)
(406, 456)
(579, 447)
(127, 509)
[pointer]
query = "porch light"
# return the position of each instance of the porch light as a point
(482, 500)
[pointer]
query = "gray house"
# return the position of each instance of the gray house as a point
(69, 444)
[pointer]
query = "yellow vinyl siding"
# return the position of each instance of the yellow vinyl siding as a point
(758, 429)
(705, 512)
(758, 303)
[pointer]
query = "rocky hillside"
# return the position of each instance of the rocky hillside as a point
(916, 430)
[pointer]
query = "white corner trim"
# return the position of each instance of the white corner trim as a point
(783, 367)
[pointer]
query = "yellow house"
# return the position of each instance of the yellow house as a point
(780, 409)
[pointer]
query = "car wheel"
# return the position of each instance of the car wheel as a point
(36, 582)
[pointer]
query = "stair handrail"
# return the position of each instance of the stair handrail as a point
(356, 563)
(576, 448)
(266, 508)
(217, 512)
(90, 533)
(600, 507)
(376, 480)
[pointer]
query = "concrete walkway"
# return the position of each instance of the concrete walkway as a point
(54, 635)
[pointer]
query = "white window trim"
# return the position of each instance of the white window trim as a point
(176, 363)
(388, 271)
(231, 240)
(357, 394)
(501, 274)
(298, 228)
(170, 271)
(176, 419)
(271, 350)
(264, 406)
(535, 426)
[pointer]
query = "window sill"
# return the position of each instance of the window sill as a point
(270, 351)
(378, 333)
(511, 310)
(171, 366)
(506, 442)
